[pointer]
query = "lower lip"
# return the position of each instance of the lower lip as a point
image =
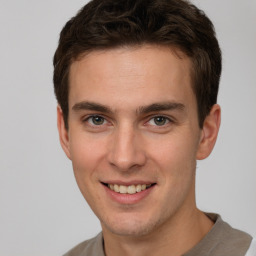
(128, 198)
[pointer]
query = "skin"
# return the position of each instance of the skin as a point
(122, 87)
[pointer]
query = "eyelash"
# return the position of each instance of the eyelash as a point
(94, 116)
(166, 120)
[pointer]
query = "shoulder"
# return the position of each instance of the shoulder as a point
(222, 239)
(230, 238)
(252, 248)
(235, 241)
(93, 246)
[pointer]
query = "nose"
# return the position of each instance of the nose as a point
(126, 151)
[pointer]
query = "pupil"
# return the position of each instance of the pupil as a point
(97, 120)
(160, 120)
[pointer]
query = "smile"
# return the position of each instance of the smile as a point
(131, 189)
(128, 193)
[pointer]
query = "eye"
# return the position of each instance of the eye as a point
(96, 120)
(159, 120)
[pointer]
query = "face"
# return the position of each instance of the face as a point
(133, 136)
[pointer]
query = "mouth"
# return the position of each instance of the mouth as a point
(130, 189)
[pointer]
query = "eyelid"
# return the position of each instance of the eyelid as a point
(87, 117)
(91, 118)
(160, 115)
(107, 121)
(168, 118)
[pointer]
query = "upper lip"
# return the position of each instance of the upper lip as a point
(128, 183)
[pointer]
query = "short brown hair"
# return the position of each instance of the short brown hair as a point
(105, 24)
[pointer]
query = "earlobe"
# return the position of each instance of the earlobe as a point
(63, 133)
(209, 133)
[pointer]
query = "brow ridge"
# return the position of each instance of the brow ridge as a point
(86, 105)
(164, 106)
(155, 107)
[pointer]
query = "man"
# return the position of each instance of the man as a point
(137, 84)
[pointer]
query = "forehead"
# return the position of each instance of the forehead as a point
(131, 76)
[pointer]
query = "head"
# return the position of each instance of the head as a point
(113, 24)
(136, 83)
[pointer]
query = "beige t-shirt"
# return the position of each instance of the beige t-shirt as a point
(221, 240)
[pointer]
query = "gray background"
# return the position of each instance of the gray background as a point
(41, 209)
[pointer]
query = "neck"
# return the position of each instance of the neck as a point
(173, 238)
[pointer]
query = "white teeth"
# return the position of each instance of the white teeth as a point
(116, 188)
(123, 189)
(132, 189)
(138, 188)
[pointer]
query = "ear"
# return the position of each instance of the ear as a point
(209, 133)
(63, 133)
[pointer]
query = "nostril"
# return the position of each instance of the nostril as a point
(126, 153)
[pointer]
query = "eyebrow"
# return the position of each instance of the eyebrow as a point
(86, 105)
(161, 107)
(155, 107)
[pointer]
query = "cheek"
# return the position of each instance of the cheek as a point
(86, 155)
(173, 150)
(85, 150)
(176, 163)
(85, 160)
(175, 159)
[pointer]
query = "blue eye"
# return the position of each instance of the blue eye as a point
(96, 120)
(159, 120)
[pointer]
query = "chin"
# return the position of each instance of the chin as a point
(123, 230)
(131, 226)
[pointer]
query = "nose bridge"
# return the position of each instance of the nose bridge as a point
(126, 151)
